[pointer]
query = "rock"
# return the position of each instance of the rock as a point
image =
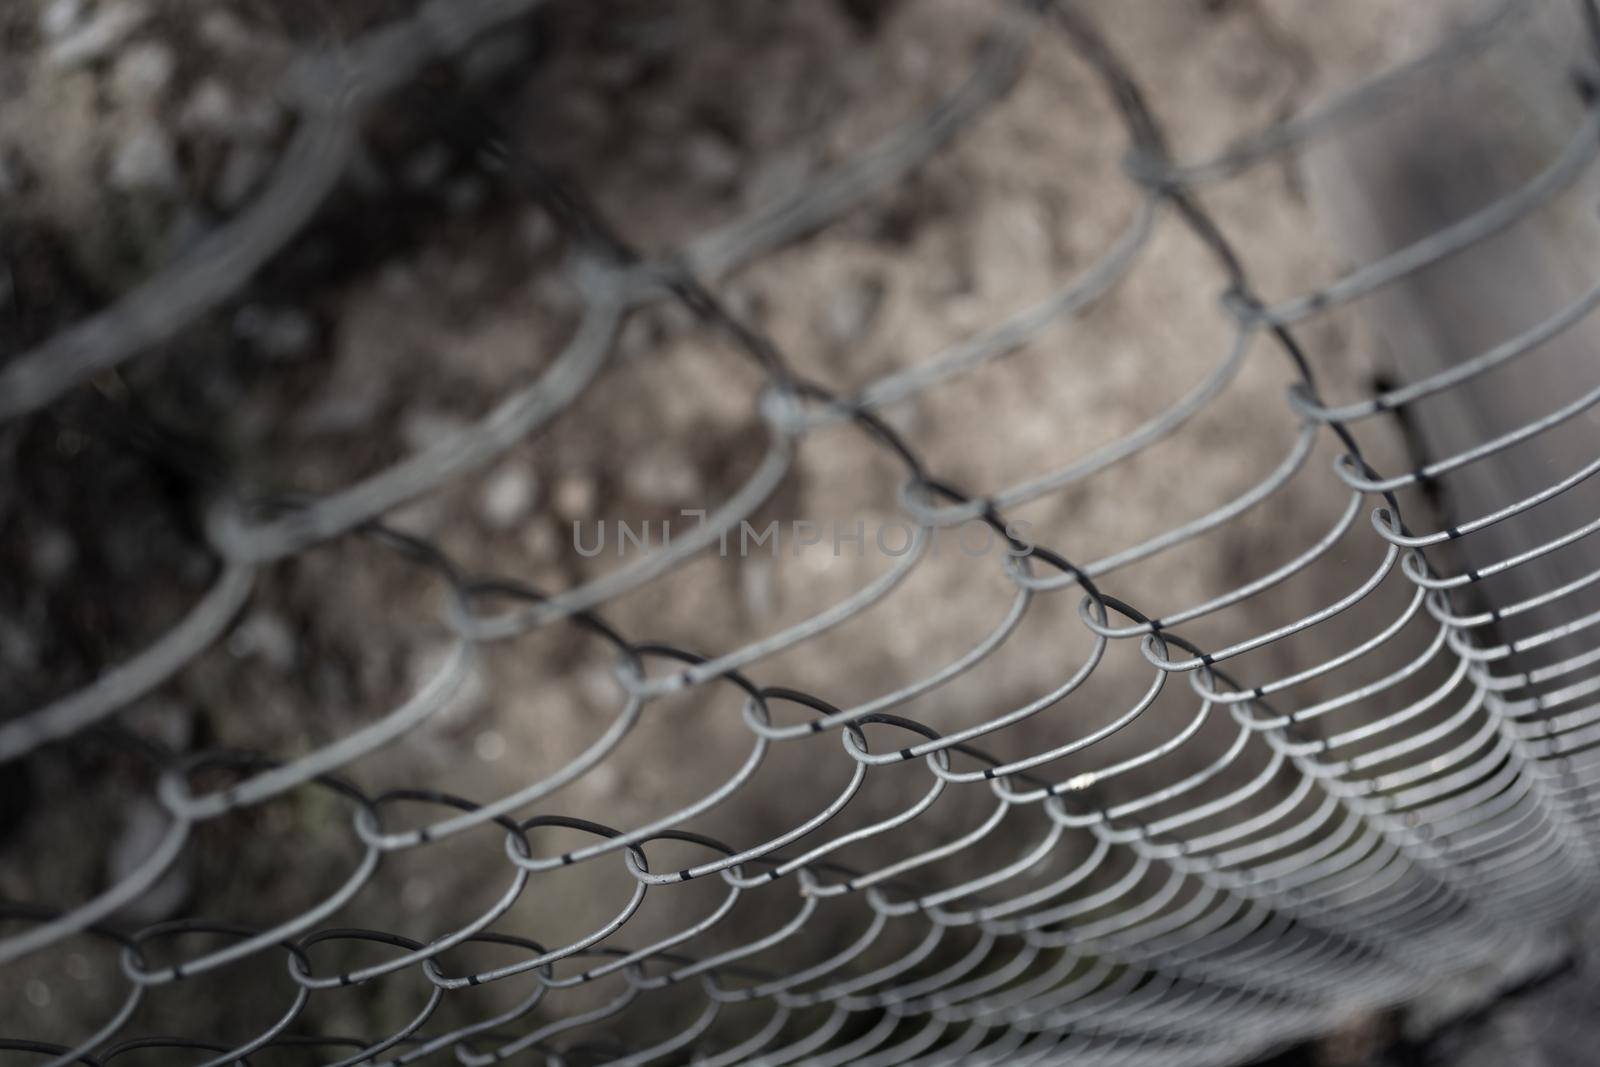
(467, 275)
(541, 539)
(37, 992)
(18, 649)
(507, 497)
(100, 36)
(914, 59)
(555, 292)
(416, 895)
(422, 517)
(489, 745)
(466, 195)
(1013, 237)
(363, 171)
(144, 161)
(346, 408)
(189, 227)
(59, 17)
(398, 279)
(779, 178)
(241, 174)
(144, 824)
(712, 159)
(664, 477)
(538, 229)
(637, 339)
(756, 588)
(427, 168)
(142, 74)
(424, 428)
(602, 782)
(600, 688)
(222, 29)
(167, 722)
(618, 71)
(575, 496)
(52, 553)
(745, 302)
(268, 635)
(496, 54)
(212, 110)
(471, 696)
(282, 334)
(852, 309)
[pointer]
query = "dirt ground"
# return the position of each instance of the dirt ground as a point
(429, 285)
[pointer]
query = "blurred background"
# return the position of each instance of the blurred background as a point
(432, 280)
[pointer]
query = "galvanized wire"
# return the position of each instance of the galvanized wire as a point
(1327, 869)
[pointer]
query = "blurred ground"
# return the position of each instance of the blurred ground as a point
(427, 287)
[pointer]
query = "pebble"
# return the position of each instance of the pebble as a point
(471, 697)
(144, 161)
(745, 301)
(100, 36)
(554, 291)
(424, 428)
(344, 410)
(664, 478)
(618, 70)
(914, 59)
(780, 178)
(538, 230)
(53, 553)
(489, 745)
(416, 894)
(1014, 236)
(167, 722)
(18, 649)
(142, 73)
(757, 588)
(467, 275)
(466, 195)
(540, 538)
(712, 159)
(241, 173)
(426, 168)
(59, 16)
(575, 496)
(222, 29)
(144, 824)
(600, 688)
(422, 517)
(397, 279)
(210, 108)
(507, 497)
(493, 56)
(265, 634)
(283, 334)
(852, 309)
(604, 781)
(213, 110)
(638, 338)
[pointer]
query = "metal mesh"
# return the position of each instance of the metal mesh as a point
(1328, 857)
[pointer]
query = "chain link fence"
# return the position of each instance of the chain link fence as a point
(1230, 864)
